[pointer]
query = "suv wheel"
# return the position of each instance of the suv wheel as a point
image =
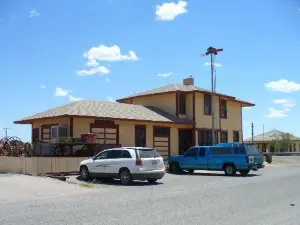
(125, 177)
(152, 181)
(229, 170)
(84, 173)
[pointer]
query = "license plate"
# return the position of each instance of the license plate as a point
(154, 162)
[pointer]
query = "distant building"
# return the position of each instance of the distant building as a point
(265, 141)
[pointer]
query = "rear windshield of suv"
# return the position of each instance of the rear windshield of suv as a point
(148, 153)
(252, 150)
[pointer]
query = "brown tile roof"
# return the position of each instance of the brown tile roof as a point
(170, 88)
(111, 110)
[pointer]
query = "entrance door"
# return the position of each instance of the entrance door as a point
(35, 135)
(185, 140)
(140, 136)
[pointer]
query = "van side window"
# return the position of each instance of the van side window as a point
(192, 152)
(239, 149)
(202, 152)
(221, 151)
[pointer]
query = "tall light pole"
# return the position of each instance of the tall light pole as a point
(5, 131)
(213, 52)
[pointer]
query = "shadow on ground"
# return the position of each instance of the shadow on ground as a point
(116, 182)
(213, 174)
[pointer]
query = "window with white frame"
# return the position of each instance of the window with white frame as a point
(59, 131)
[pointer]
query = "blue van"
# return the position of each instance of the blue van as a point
(227, 157)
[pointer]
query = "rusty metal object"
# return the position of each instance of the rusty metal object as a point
(13, 146)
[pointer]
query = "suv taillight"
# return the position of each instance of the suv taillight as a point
(138, 162)
(247, 159)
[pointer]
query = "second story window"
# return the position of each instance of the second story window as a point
(182, 103)
(223, 109)
(207, 104)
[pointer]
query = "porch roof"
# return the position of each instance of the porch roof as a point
(106, 110)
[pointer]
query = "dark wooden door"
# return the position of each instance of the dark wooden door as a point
(35, 134)
(140, 136)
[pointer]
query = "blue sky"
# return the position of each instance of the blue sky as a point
(54, 52)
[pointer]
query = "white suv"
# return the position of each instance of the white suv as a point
(126, 163)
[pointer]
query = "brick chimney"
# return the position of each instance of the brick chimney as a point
(188, 81)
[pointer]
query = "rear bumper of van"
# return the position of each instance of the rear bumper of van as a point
(256, 166)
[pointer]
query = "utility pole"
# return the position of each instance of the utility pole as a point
(212, 52)
(252, 132)
(263, 132)
(5, 131)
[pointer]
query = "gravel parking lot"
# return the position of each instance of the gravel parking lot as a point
(269, 196)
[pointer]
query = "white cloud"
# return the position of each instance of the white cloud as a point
(92, 63)
(107, 53)
(276, 113)
(164, 75)
(107, 80)
(110, 99)
(74, 99)
(42, 86)
(215, 64)
(283, 86)
(247, 108)
(281, 101)
(61, 92)
(93, 71)
(168, 11)
(287, 104)
(33, 13)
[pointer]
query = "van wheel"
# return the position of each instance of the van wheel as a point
(191, 171)
(176, 168)
(125, 177)
(244, 172)
(229, 170)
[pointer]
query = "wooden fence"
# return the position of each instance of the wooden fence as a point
(38, 165)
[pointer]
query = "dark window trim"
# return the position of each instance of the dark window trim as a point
(140, 126)
(47, 126)
(207, 133)
(223, 103)
(182, 103)
(93, 125)
(223, 132)
(233, 135)
(168, 136)
(207, 101)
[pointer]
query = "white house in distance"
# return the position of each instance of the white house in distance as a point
(265, 141)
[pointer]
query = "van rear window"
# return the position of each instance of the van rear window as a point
(252, 149)
(148, 153)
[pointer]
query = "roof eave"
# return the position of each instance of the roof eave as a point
(109, 118)
(230, 98)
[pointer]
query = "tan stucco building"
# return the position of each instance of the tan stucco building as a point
(170, 118)
(266, 141)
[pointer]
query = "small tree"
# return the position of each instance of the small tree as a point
(282, 141)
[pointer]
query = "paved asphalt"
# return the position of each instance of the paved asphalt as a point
(270, 196)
